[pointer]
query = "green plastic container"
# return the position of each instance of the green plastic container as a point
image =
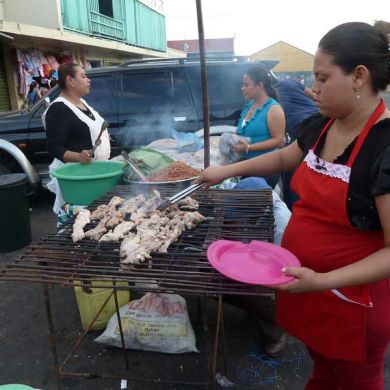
(15, 231)
(81, 184)
(15, 387)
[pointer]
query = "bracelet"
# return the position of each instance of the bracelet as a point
(247, 148)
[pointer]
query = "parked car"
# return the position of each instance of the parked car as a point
(142, 100)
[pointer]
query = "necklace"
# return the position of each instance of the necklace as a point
(255, 106)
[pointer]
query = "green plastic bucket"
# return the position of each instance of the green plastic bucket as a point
(15, 387)
(81, 184)
(15, 231)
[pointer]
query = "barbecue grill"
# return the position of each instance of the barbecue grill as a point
(231, 215)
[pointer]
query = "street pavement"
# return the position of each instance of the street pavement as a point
(25, 355)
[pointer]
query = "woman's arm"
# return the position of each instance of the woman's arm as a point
(84, 157)
(285, 159)
(276, 123)
(372, 268)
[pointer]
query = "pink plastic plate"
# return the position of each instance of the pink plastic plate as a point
(256, 263)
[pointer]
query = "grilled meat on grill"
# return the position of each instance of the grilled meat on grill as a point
(155, 229)
(82, 219)
(118, 233)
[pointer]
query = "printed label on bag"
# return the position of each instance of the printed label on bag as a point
(156, 329)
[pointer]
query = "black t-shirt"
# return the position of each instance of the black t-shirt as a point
(65, 131)
(370, 173)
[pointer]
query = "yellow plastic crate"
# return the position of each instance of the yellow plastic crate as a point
(90, 299)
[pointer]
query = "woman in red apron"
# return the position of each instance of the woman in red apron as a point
(339, 303)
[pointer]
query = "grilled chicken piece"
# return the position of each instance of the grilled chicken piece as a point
(170, 234)
(100, 212)
(124, 227)
(114, 219)
(82, 219)
(133, 250)
(115, 202)
(98, 231)
(132, 204)
(118, 233)
(188, 203)
(192, 219)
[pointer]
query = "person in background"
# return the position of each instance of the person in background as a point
(339, 302)
(297, 102)
(72, 126)
(44, 90)
(262, 123)
(34, 93)
(261, 129)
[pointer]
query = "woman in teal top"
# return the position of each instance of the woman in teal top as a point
(262, 120)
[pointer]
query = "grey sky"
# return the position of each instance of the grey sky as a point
(257, 24)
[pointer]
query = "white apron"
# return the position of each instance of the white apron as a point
(102, 152)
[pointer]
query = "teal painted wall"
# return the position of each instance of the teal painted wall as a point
(133, 22)
(73, 15)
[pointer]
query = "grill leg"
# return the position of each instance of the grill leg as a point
(52, 339)
(216, 342)
(225, 360)
(120, 327)
(202, 312)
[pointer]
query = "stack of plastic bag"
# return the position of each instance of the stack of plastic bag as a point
(226, 142)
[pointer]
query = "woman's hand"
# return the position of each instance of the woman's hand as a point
(211, 176)
(306, 280)
(84, 157)
(240, 147)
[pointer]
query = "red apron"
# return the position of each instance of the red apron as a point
(319, 233)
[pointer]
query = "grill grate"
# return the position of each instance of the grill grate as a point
(231, 215)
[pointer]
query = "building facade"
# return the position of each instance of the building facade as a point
(36, 36)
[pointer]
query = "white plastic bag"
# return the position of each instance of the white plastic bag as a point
(155, 322)
(226, 142)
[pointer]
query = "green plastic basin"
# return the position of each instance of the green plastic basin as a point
(81, 184)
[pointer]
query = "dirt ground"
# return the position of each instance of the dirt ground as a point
(25, 355)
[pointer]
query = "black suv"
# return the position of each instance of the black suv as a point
(142, 100)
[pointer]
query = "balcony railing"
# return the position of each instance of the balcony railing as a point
(105, 26)
(132, 22)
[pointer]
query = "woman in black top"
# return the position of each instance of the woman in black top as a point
(339, 302)
(69, 119)
(72, 126)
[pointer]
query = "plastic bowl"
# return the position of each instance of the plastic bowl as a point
(81, 184)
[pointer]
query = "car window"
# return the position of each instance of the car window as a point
(147, 91)
(181, 97)
(101, 93)
(224, 85)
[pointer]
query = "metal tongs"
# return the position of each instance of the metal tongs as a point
(98, 139)
(179, 196)
(133, 165)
